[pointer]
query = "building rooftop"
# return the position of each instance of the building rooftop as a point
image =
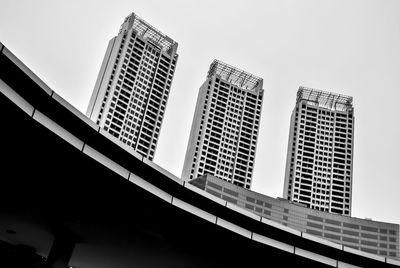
(146, 30)
(325, 99)
(235, 76)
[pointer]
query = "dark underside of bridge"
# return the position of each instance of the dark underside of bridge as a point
(59, 206)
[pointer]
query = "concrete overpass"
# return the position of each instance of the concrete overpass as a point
(71, 195)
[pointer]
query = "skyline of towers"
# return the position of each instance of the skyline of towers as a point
(224, 132)
(132, 89)
(319, 164)
(129, 102)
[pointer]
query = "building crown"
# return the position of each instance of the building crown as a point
(319, 98)
(147, 31)
(235, 76)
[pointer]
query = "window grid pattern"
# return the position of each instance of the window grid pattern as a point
(138, 96)
(321, 159)
(227, 136)
(366, 235)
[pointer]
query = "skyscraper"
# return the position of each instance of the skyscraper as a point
(133, 85)
(320, 151)
(224, 132)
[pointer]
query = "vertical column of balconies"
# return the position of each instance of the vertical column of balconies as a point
(341, 164)
(215, 128)
(131, 89)
(202, 140)
(230, 130)
(110, 107)
(303, 155)
(323, 159)
(248, 138)
(158, 69)
(158, 97)
(293, 158)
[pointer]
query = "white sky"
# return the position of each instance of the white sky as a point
(344, 46)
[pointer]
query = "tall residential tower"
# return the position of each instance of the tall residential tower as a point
(224, 132)
(132, 88)
(320, 151)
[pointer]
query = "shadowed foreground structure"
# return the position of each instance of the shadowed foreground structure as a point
(72, 195)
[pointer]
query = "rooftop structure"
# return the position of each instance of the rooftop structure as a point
(147, 31)
(325, 99)
(235, 76)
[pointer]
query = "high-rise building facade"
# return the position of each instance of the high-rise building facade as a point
(320, 151)
(224, 132)
(133, 85)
